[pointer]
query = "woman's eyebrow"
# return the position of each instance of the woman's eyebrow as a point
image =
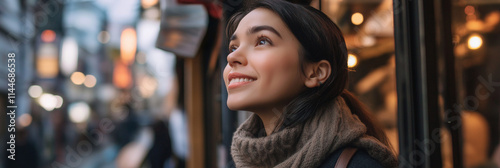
(256, 29)
(233, 37)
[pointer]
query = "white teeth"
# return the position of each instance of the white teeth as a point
(235, 80)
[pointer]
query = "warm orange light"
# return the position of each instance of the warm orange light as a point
(128, 45)
(47, 64)
(122, 77)
(48, 36)
(47, 67)
(77, 78)
(475, 42)
(352, 60)
(469, 10)
(357, 18)
(148, 3)
(471, 17)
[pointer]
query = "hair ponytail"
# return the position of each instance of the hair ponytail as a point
(359, 109)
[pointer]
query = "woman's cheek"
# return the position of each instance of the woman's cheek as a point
(227, 69)
(266, 69)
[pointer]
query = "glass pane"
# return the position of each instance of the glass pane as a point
(369, 34)
(476, 30)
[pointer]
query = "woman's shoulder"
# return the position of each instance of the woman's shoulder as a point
(360, 159)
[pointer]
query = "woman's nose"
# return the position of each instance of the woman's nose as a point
(237, 57)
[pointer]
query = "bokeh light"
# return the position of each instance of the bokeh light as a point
(77, 78)
(90, 81)
(69, 56)
(60, 101)
(48, 101)
(469, 10)
(35, 91)
(148, 3)
(122, 77)
(47, 62)
(25, 120)
(475, 42)
(48, 36)
(357, 18)
(79, 112)
(128, 45)
(352, 60)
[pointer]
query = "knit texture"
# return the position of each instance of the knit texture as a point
(307, 144)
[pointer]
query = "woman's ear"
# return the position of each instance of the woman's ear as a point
(317, 73)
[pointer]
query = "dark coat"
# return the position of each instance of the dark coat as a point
(360, 159)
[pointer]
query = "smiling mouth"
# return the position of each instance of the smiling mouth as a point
(237, 82)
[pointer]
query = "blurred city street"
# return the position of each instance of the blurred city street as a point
(138, 83)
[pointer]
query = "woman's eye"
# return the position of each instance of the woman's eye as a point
(263, 42)
(232, 49)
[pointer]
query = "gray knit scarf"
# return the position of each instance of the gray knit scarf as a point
(307, 144)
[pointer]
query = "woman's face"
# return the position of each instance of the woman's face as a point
(263, 70)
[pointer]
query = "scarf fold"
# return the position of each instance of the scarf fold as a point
(307, 144)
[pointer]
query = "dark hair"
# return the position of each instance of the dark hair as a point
(320, 39)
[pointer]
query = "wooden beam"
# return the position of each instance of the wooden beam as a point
(194, 108)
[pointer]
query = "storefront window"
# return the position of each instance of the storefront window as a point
(369, 35)
(476, 30)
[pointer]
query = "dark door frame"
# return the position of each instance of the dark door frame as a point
(422, 32)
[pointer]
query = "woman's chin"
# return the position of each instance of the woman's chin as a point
(236, 102)
(235, 106)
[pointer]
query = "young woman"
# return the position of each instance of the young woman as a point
(288, 65)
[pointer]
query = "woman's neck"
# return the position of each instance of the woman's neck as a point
(270, 119)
